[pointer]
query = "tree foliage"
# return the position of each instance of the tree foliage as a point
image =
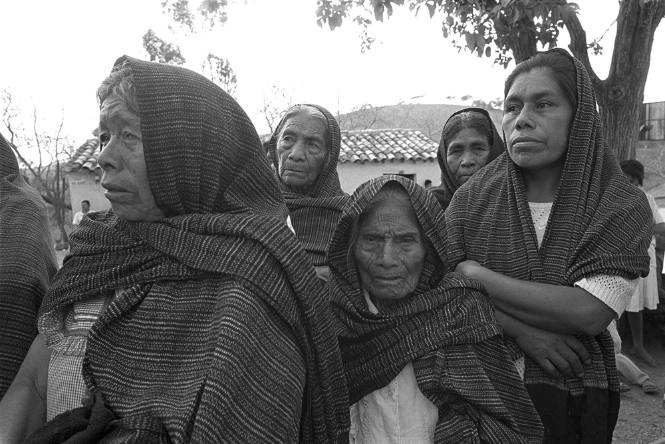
(160, 50)
(189, 19)
(517, 29)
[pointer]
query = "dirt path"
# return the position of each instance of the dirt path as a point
(642, 417)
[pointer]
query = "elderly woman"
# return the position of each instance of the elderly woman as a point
(304, 150)
(469, 141)
(27, 262)
(558, 238)
(422, 350)
(187, 311)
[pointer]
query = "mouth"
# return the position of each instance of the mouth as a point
(114, 188)
(524, 140)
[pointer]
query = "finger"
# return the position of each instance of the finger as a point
(570, 355)
(579, 349)
(561, 364)
(549, 368)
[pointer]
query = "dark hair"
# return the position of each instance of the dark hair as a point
(633, 168)
(561, 66)
(465, 120)
(120, 83)
(85, 201)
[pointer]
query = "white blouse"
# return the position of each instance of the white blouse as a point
(398, 413)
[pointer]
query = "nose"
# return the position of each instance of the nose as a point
(297, 151)
(524, 119)
(388, 255)
(468, 159)
(107, 159)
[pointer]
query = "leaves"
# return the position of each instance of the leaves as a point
(161, 51)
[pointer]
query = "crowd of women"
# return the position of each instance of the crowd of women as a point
(238, 295)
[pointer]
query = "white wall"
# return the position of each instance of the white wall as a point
(84, 186)
(353, 174)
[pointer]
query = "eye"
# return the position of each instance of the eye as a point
(126, 135)
(103, 139)
(511, 108)
(544, 104)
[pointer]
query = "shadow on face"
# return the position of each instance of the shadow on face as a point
(301, 148)
(389, 251)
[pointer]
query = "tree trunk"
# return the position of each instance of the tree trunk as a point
(620, 96)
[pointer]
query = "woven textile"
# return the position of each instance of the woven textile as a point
(599, 225)
(446, 328)
(27, 261)
(222, 332)
(444, 192)
(315, 215)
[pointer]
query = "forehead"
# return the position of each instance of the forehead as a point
(537, 82)
(392, 211)
(114, 111)
(310, 121)
(468, 135)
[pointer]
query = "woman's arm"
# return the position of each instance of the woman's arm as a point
(557, 308)
(559, 355)
(23, 408)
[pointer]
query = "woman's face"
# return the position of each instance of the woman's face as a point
(468, 151)
(125, 174)
(301, 148)
(536, 121)
(389, 251)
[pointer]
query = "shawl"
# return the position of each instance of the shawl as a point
(444, 192)
(314, 216)
(599, 224)
(448, 330)
(221, 332)
(27, 261)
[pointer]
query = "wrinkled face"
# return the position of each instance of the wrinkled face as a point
(468, 151)
(301, 148)
(389, 251)
(125, 174)
(536, 121)
(85, 207)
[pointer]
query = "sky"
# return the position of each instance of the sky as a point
(55, 54)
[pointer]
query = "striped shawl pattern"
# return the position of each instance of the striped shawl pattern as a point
(315, 215)
(599, 224)
(27, 261)
(221, 332)
(446, 328)
(444, 192)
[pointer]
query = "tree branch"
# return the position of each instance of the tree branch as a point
(578, 46)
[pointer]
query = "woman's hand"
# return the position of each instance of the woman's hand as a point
(559, 355)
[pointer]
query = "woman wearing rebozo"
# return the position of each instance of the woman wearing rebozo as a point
(422, 350)
(469, 141)
(558, 238)
(189, 312)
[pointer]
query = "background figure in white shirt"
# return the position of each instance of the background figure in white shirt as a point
(646, 293)
(85, 207)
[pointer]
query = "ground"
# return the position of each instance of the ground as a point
(642, 417)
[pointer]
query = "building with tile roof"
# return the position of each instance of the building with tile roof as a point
(84, 175)
(371, 153)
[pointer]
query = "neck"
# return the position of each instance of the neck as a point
(541, 185)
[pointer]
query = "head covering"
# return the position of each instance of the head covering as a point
(27, 262)
(314, 215)
(599, 225)
(449, 185)
(446, 328)
(208, 295)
